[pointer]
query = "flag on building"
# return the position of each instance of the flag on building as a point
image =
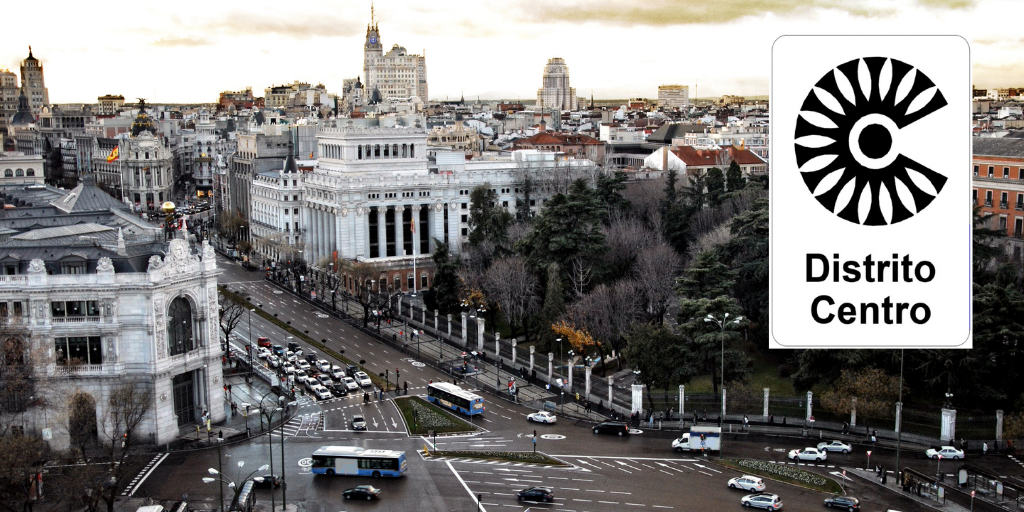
(310, 155)
(113, 155)
(412, 224)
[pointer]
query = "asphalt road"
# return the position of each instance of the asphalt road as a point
(608, 473)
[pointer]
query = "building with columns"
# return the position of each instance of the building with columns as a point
(378, 195)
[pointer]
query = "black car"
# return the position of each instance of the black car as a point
(293, 346)
(338, 389)
(267, 481)
(847, 502)
(368, 492)
(351, 370)
(611, 427)
(540, 494)
(312, 358)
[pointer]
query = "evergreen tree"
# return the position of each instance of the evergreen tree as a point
(609, 190)
(748, 256)
(734, 181)
(444, 291)
(706, 278)
(569, 226)
(716, 185)
(707, 338)
(660, 355)
(488, 221)
(554, 301)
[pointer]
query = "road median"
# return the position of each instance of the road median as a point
(782, 472)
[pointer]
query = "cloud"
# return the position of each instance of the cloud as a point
(699, 12)
(318, 25)
(1003, 75)
(174, 41)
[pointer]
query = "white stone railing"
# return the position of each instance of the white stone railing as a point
(79, 319)
(13, 279)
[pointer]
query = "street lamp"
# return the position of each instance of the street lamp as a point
(250, 342)
(722, 324)
(231, 485)
(559, 340)
(269, 414)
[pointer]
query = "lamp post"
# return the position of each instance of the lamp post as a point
(231, 485)
(250, 342)
(722, 324)
(270, 441)
(284, 486)
(899, 425)
(559, 340)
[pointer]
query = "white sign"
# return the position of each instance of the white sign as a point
(870, 223)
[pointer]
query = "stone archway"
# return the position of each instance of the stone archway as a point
(180, 327)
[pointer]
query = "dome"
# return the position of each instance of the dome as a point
(142, 121)
(24, 115)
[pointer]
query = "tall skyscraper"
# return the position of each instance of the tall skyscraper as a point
(556, 92)
(394, 75)
(8, 98)
(32, 82)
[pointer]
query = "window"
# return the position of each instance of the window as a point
(991, 171)
(30, 172)
(78, 350)
(1006, 173)
(179, 327)
(19, 173)
(8, 173)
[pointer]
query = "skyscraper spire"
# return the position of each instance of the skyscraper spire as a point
(372, 19)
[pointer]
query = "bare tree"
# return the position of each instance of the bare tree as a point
(709, 241)
(580, 275)
(21, 463)
(654, 274)
(646, 196)
(19, 363)
(231, 312)
(607, 313)
(510, 284)
(626, 237)
(80, 421)
(127, 406)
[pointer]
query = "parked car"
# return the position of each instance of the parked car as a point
(835, 446)
(324, 365)
(301, 363)
(349, 383)
(338, 388)
(321, 392)
(263, 341)
(358, 422)
(764, 500)
(812, 454)
(947, 452)
(611, 427)
(277, 350)
(540, 494)
(267, 481)
(747, 483)
(363, 379)
(848, 502)
(541, 417)
(361, 492)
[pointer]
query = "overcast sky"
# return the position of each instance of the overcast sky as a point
(189, 51)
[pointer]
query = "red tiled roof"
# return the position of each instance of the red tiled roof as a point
(548, 138)
(693, 157)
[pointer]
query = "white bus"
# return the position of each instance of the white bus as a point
(355, 460)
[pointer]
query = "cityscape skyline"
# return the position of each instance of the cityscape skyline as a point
(199, 50)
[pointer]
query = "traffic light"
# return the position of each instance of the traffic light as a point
(534, 433)
(702, 437)
(396, 373)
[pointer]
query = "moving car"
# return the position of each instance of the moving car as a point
(351, 370)
(277, 350)
(323, 365)
(835, 446)
(288, 369)
(349, 383)
(764, 500)
(267, 481)
(263, 341)
(947, 452)
(324, 380)
(338, 388)
(808, 453)
(321, 392)
(274, 361)
(361, 492)
(747, 483)
(363, 379)
(541, 417)
(848, 502)
(293, 346)
(262, 353)
(611, 427)
(300, 376)
(358, 422)
(540, 494)
(337, 372)
(303, 364)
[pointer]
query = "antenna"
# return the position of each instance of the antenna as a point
(371, 13)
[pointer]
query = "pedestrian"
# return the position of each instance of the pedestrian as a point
(783, 421)
(650, 420)
(1009, 445)
(984, 448)
(771, 419)
(670, 413)
(407, 387)
(600, 405)
(746, 424)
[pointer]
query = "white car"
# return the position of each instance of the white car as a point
(324, 380)
(764, 500)
(541, 417)
(363, 379)
(747, 483)
(304, 365)
(946, 452)
(812, 454)
(835, 446)
(263, 352)
(337, 372)
(321, 392)
(349, 383)
(323, 365)
(288, 369)
(300, 376)
(274, 361)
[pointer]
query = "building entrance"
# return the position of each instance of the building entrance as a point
(184, 398)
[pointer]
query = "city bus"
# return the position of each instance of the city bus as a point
(355, 460)
(455, 398)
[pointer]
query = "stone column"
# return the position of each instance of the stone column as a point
(530, 371)
(586, 387)
(450, 328)
(571, 365)
(415, 220)
(361, 223)
(682, 401)
(313, 231)
(999, 425)
(435, 322)
(514, 343)
(948, 426)
(465, 330)
(479, 333)
(853, 412)
(611, 388)
(322, 224)
(336, 244)
(399, 231)
(454, 233)
(810, 406)
(345, 234)
(766, 392)
(899, 416)
(551, 365)
(436, 224)
(382, 231)
(638, 397)
(497, 345)
(723, 403)
(423, 311)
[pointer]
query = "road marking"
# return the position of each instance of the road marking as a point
(459, 477)
(153, 464)
(618, 492)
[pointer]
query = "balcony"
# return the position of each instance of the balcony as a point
(1019, 206)
(988, 203)
(13, 279)
(78, 319)
(1003, 205)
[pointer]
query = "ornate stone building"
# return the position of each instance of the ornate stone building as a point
(105, 301)
(555, 92)
(33, 83)
(397, 75)
(147, 164)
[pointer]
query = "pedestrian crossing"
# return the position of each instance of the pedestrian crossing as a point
(305, 424)
(639, 465)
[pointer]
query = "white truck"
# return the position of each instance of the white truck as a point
(699, 439)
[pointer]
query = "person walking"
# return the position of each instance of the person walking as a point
(984, 448)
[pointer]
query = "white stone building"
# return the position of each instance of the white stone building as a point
(555, 92)
(397, 75)
(674, 96)
(18, 168)
(276, 222)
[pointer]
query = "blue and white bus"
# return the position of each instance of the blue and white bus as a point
(355, 460)
(455, 398)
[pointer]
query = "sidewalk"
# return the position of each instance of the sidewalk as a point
(892, 486)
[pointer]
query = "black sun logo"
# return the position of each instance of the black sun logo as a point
(857, 137)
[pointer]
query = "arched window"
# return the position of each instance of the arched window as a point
(179, 327)
(394, 151)
(19, 173)
(405, 151)
(30, 172)
(412, 150)
(8, 173)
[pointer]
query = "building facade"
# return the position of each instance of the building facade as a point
(19, 168)
(397, 75)
(109, 104)
(555, 92)
(8, 98)
(276, 223)
(674, 96)
(33, 82)
(998, 183)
